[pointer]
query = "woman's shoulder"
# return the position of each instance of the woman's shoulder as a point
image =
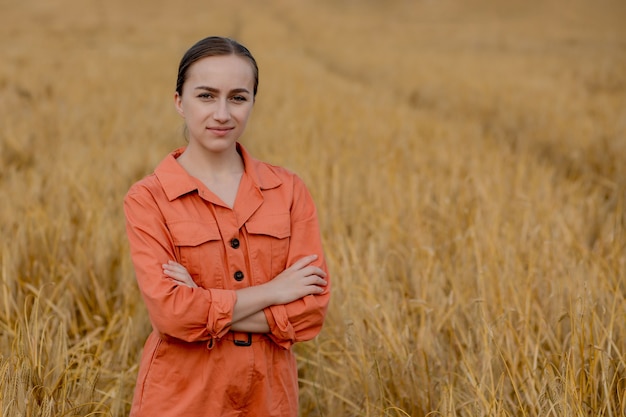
(146, 186)
(278, 170)
(269, 172)
(167, 174)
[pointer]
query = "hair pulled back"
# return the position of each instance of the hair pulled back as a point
(214, 46)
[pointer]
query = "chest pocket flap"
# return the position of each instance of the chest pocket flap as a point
(276, 225)
(193, 233)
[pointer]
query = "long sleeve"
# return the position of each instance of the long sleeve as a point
(189, 314)
(302, 319)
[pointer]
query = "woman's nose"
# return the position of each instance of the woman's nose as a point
(222, 112)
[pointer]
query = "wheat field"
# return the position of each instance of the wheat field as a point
(468, 160)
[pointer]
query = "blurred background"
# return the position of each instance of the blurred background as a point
(468, 160)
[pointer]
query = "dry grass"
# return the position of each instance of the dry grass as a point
(468, 160)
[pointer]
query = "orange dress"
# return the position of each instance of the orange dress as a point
(192, 364)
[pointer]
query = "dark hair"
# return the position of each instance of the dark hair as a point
(214, 46)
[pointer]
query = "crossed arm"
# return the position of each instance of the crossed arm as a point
(297, 281)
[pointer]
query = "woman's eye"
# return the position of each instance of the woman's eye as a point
(240, 98)
(205, 95)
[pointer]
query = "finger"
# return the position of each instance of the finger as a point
(313, 270)
(176, 270)
(173, 272)
(314, 289)
(187, 284)
(185, 281)
(174, 265)
(316, 280)
(177, 275)
(319, 281)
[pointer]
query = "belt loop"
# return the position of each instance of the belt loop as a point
(243, 342)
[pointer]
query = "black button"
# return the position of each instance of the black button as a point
(234, 243)
(238, 276)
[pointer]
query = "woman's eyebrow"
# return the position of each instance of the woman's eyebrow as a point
(205, 88)
(216, 90)
(240, 90)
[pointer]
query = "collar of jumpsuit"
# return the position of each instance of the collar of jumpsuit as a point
(177, 182)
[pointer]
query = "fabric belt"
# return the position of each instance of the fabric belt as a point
(243, 338)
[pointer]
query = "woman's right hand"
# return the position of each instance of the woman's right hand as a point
(179, 274)
(299, 280)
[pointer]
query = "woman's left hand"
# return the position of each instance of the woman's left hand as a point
(179, 274)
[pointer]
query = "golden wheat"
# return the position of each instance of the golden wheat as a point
(469, 164)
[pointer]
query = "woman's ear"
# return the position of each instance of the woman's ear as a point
(178, 103)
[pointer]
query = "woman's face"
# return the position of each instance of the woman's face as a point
(216, 101)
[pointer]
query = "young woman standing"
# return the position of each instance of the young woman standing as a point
(227, 255)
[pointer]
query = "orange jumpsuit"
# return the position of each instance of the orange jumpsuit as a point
(192, 364)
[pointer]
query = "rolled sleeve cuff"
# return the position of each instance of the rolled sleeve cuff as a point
(282, 331)
(221, 312)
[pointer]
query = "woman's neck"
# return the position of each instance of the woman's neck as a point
(205, 164)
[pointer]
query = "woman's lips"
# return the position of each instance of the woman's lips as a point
(220, 131)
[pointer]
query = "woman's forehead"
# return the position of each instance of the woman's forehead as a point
(231, 67)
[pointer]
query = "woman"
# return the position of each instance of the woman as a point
(227, 255)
